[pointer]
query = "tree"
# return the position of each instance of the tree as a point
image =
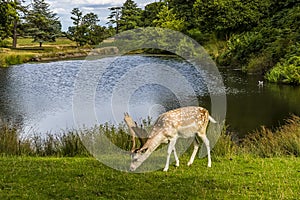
(42, 24)
(130, 16)
(151, 13)
(86, 29)
(8, 14)
(225, 17)
(183, 10)
(91, 27)
(114, 17)
(167, 19)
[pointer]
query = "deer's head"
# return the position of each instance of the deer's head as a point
(138, 157)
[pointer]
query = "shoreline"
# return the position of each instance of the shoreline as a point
(8, 58)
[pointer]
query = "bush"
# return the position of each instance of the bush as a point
(241, 47)
(287, 72)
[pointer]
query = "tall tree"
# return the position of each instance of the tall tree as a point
(130, 16)
(75, 33)
(114, 17)
(183, 10)
(168, 19)
(86, 29)
(42, 24)
(225, 17)
(151, 13)
(8, 14)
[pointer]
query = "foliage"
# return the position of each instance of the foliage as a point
(287, 71)
(183, 10)
(86, 29)
(240, 47)
(266, 44)
(229, 16)
(114, 17)
(283, 142)
(41, 23)
(8, 14)
(130, 16)
(167, 19)
(150, 14)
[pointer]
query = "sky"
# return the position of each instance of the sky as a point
(63, 8)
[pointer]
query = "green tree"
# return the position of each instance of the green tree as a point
(130, 16)
(225, 17)
(151, 13)
(168, 19)
(75, 33)
(8, 14)
(114, 17)
(183, 10)
(86, 29)
(92, 29)
(42, 24)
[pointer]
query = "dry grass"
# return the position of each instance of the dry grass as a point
(284, 141)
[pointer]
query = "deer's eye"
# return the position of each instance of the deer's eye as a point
(144, 150)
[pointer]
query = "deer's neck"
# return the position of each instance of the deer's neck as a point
(154, 142)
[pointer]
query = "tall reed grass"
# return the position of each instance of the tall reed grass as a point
(284, 141)
(263, 143)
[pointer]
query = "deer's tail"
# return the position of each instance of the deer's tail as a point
(212, 119)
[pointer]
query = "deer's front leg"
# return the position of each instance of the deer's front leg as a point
(170, 149)
(176, 157)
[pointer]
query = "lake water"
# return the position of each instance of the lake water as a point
(40, 97)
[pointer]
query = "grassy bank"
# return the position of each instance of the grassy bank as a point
(27, 51)
(264, 165)
(86, 178)
(285, 141)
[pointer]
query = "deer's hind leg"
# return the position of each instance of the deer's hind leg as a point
(196, 147)
(206, 142)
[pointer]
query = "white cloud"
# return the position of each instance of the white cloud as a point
(63, 8)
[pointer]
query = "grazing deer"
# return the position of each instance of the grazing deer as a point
(183, 122)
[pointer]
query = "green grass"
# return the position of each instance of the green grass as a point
(265, 165)
(29, 42)
(27, 51)
(86, 178)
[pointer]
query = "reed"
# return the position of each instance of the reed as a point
(285, 141)
(263, 143)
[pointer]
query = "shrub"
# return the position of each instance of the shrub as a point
(286, 71)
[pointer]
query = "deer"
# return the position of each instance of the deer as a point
(185, 122)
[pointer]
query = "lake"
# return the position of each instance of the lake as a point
(40, 96)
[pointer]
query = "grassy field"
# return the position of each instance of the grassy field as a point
(28, 51)
(86, 178)
(264, 165)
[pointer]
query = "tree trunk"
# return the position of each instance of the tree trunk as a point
(41, 44)
(15, 34)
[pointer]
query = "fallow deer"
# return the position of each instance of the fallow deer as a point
(183, 122)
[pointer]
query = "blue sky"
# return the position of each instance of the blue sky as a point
(63, 8)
